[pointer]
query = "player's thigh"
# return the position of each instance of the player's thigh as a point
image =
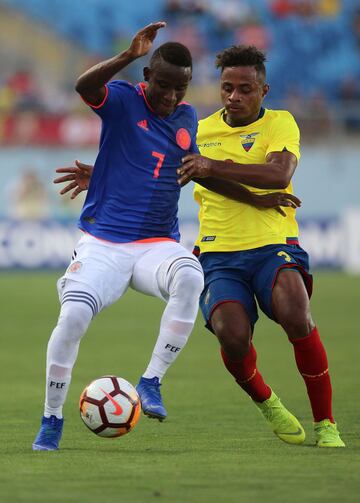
(153, 270)
(228, 296)
(272, 261)
(290, 299)
(105, 269)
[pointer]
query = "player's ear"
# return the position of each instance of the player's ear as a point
(266, 89)
(146, 73)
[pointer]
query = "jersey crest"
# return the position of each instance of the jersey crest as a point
(248, 140)
(183, 138)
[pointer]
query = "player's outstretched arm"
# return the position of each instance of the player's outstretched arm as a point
(78, 176)
(237, 192)
(276, 173)
(91, 84)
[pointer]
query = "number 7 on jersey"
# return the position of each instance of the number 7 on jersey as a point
(160, 158)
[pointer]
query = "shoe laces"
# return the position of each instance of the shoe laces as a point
(51, 427)
(153, 388)
(54, 422)
(329, 429)
(274, 413)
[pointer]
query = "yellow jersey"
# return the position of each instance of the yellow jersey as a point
(227, 225)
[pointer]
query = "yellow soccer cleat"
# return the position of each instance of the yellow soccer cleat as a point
(327, 434)
(282, 422)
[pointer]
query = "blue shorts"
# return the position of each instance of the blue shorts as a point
(244, 276)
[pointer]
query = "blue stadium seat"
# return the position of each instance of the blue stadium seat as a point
(311, 53)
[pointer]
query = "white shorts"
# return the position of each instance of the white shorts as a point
(110, 268)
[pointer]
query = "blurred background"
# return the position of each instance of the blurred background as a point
(313, 51)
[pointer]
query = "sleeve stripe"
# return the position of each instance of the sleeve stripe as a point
(103, 101)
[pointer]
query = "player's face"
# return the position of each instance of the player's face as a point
(167, 86)
(242, 93)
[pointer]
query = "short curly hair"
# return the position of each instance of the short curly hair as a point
(242, 55)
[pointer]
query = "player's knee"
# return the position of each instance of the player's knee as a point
(291, 305)
(235, 348)
(297, 321)
(188, 283)
(74, 319)
(234, 340)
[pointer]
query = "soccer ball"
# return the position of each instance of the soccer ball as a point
(110, 406)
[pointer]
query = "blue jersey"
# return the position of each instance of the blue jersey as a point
(133, 193)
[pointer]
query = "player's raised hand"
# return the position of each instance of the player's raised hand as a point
(142, 42)
(276, 200)
(194, 166)
(78, 176)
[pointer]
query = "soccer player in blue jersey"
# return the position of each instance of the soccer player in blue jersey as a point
(129, 220)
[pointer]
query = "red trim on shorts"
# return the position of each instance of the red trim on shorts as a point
(292, 241)
(305, 275)
(196, 251)
(101, 104)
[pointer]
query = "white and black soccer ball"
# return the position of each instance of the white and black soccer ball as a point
(110, 406)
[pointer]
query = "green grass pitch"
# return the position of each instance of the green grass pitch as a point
(213, 447)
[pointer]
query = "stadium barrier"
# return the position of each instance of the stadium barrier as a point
(331, 243)
(33, 128)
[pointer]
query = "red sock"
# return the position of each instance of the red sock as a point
(311, 360)
(247, 375)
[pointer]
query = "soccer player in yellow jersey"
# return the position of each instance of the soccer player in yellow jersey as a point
(252, 254)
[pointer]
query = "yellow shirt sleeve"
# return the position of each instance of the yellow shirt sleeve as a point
(284, 135)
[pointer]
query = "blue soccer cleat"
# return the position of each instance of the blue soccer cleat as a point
(49, 434)
(151, 401)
